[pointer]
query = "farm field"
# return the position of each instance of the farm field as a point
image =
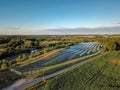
(102, 73)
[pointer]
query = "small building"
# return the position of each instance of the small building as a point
(33, 51)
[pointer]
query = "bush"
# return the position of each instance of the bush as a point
(24, 57)
(12, 62)
(4, 66)
(30, 56)
(18, 59)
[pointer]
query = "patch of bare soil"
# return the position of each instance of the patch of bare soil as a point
(116, 61)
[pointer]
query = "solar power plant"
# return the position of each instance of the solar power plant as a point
(81, 49)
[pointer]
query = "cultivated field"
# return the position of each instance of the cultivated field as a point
(102, 73)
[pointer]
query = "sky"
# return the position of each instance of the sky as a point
(36, 17)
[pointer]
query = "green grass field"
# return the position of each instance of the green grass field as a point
(102, 73)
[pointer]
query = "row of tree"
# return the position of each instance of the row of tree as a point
(111, 43)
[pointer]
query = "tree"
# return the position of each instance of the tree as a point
(18, 59)
(36, 43)
(3, 66)
(45, 50)
(117, 46)
(28, 43)
(4, 61)
(12, 62)
(30, 56)
(24, 57)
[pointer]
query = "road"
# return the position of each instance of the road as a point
(15, 71)
(25, 83)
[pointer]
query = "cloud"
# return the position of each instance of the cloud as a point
(62, 31)
(95, 30)
(13, 28)
(116, 22)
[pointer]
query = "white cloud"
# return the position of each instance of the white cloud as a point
(14, 28)
(62, 31)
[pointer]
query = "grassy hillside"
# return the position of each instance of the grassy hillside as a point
(102, 73)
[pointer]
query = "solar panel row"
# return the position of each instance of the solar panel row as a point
(81, 49)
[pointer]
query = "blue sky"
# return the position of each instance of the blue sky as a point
(54, 16)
